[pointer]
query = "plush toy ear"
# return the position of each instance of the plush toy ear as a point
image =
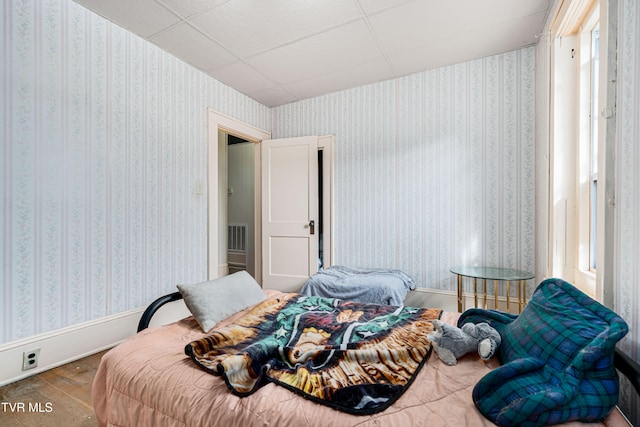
(437, 333)
(434, 337)
(470, 329)
(437, 324)
(445, 355)
(485, 331)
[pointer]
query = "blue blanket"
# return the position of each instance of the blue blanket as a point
(557, 359)
(374, 285)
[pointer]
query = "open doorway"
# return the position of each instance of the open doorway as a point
(218, 127)
(239, 205)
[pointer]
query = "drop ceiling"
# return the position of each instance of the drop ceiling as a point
(281, 51)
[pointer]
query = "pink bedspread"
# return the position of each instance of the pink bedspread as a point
(149, 381)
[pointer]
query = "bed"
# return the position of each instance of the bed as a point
(150, 380)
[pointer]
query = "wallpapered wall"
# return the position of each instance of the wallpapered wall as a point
(431, 170)
(627, 171)
(627, 199)
(627, 177)
(104, 140)
(102, 131)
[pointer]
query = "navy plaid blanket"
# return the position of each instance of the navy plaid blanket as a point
(557, 359)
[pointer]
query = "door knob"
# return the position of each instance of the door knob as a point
(312, 227)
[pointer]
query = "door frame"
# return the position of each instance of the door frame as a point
(325, 146)
(217, 121)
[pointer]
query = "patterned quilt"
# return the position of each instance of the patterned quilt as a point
(355, 357)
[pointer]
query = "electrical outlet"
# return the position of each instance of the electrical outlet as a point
(30, 359)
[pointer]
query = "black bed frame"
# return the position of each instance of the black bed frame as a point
(623, 363)
(155, 306)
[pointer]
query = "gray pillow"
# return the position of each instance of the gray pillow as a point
(215, 300)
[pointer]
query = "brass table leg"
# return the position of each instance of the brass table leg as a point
(519, 296)
(475, 292)
(459, 293)
(484, 292)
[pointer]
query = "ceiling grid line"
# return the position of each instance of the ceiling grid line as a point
(286, 51)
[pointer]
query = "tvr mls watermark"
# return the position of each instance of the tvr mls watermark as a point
(31, 407)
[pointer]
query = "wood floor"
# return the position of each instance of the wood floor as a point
(59, 397)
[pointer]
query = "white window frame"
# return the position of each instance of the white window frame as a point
(585, 274)
(564, 242)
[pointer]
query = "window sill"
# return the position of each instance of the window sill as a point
(586, 282)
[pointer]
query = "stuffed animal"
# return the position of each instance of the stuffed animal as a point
(452, 342)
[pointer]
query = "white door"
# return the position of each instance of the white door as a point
(289, 212)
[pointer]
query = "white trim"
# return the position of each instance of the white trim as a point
(217, 121)
(605, 253)
(223, 270)
(434, 298)
(448, 300)
(562, 155)
(570, 15)
(326, 144)
(584, 277)
(67, 344)
(75, 342)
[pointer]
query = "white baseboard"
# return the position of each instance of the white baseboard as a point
(448, 300)
(77, 341)
(432, 298)
(66, 345)
(223, 270)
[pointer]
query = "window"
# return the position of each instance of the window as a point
(588, 142)
(577, 138)
(593, 142)
(582, 127)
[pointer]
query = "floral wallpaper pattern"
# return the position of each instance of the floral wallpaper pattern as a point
(104, 141)
(627, 177)
(432, 170)
(627, 188)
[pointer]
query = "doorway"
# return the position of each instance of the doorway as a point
(237, 178)
(217, 194)
(217, 126)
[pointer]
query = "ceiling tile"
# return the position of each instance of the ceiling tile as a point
(374, 6)
(142, 17)
(273, 97)
(278, 52)
(404, 28)
(187, 8)
(344, 78)
(251, 26)
(193, 47)
(341, 47)
(418, 23)
(465, 47)
(241, 77)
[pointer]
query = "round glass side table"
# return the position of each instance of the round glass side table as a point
(496, 274)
